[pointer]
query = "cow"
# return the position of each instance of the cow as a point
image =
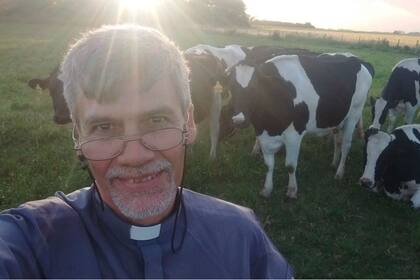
(55, 88)
(392, 163)
(400, 95)
(291, 95)
(207, 82)
(259, 54)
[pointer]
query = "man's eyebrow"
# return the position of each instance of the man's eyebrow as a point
(166, 110)
(97, 119)
(163, 110)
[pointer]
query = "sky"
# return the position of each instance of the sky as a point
(361, 15)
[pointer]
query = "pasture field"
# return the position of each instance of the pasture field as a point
(335, 229)
(342, 35)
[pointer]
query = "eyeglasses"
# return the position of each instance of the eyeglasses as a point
(110, 147)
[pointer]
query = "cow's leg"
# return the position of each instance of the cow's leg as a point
(415, 199)
(256, 149)
(345, 145)
(338, 139)
(410, 111)
(392, 115)
(268, 183)
(292, 145)
(216, 108)
(360, 130)
(269, 145)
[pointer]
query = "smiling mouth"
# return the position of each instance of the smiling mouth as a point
(144, 179)
(148, 182)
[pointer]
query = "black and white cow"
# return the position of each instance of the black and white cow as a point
(392, 163)
(207, 82)
(289, 96)
(400, 95)
(55, 88)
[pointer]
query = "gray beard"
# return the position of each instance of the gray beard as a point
(129, 204)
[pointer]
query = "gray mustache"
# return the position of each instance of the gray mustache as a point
(153, 167)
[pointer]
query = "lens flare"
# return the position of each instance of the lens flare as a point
(136, 5)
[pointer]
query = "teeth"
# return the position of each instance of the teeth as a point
(143, 179)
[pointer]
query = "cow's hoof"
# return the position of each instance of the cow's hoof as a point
(291, 194)
(265, 193)
(339, 176)
(255, 153)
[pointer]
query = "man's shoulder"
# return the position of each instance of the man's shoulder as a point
(213, 209)
(54, 208)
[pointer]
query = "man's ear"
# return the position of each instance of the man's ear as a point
(190, 126)
(75, 136)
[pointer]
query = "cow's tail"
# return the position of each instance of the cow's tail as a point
(369, 67)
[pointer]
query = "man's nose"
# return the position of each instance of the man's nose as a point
(135, 153)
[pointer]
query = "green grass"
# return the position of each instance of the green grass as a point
(335, 229)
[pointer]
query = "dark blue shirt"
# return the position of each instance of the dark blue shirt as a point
(72, 236)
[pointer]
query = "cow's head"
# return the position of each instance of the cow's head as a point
(240, 85)
(375, 158)
(55, 88)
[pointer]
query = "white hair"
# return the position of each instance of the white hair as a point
(104, 59)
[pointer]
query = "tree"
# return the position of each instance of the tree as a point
(217, 12)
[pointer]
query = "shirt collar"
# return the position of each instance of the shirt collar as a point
(127, 233)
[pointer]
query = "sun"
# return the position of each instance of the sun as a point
(136, 5)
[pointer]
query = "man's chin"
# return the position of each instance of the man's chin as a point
(144, 205)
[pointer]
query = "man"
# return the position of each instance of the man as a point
(128, 95)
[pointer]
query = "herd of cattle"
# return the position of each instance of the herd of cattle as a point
(285, 93)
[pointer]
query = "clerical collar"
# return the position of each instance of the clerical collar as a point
(145, 232)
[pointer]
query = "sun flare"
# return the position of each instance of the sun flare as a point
(136, 5)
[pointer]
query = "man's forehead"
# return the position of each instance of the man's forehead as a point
(132, 100)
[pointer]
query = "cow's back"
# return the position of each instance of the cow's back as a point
(402, 83)
(325, 85)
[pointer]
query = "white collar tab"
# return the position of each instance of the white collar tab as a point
(144, 233)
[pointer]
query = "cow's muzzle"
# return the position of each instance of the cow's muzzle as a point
(239, 120)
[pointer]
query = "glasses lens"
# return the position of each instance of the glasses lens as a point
(162, 139)
(102, 149)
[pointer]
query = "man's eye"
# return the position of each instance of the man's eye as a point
(102, 127)
(159, 120)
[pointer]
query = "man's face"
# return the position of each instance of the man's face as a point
(139, 184)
